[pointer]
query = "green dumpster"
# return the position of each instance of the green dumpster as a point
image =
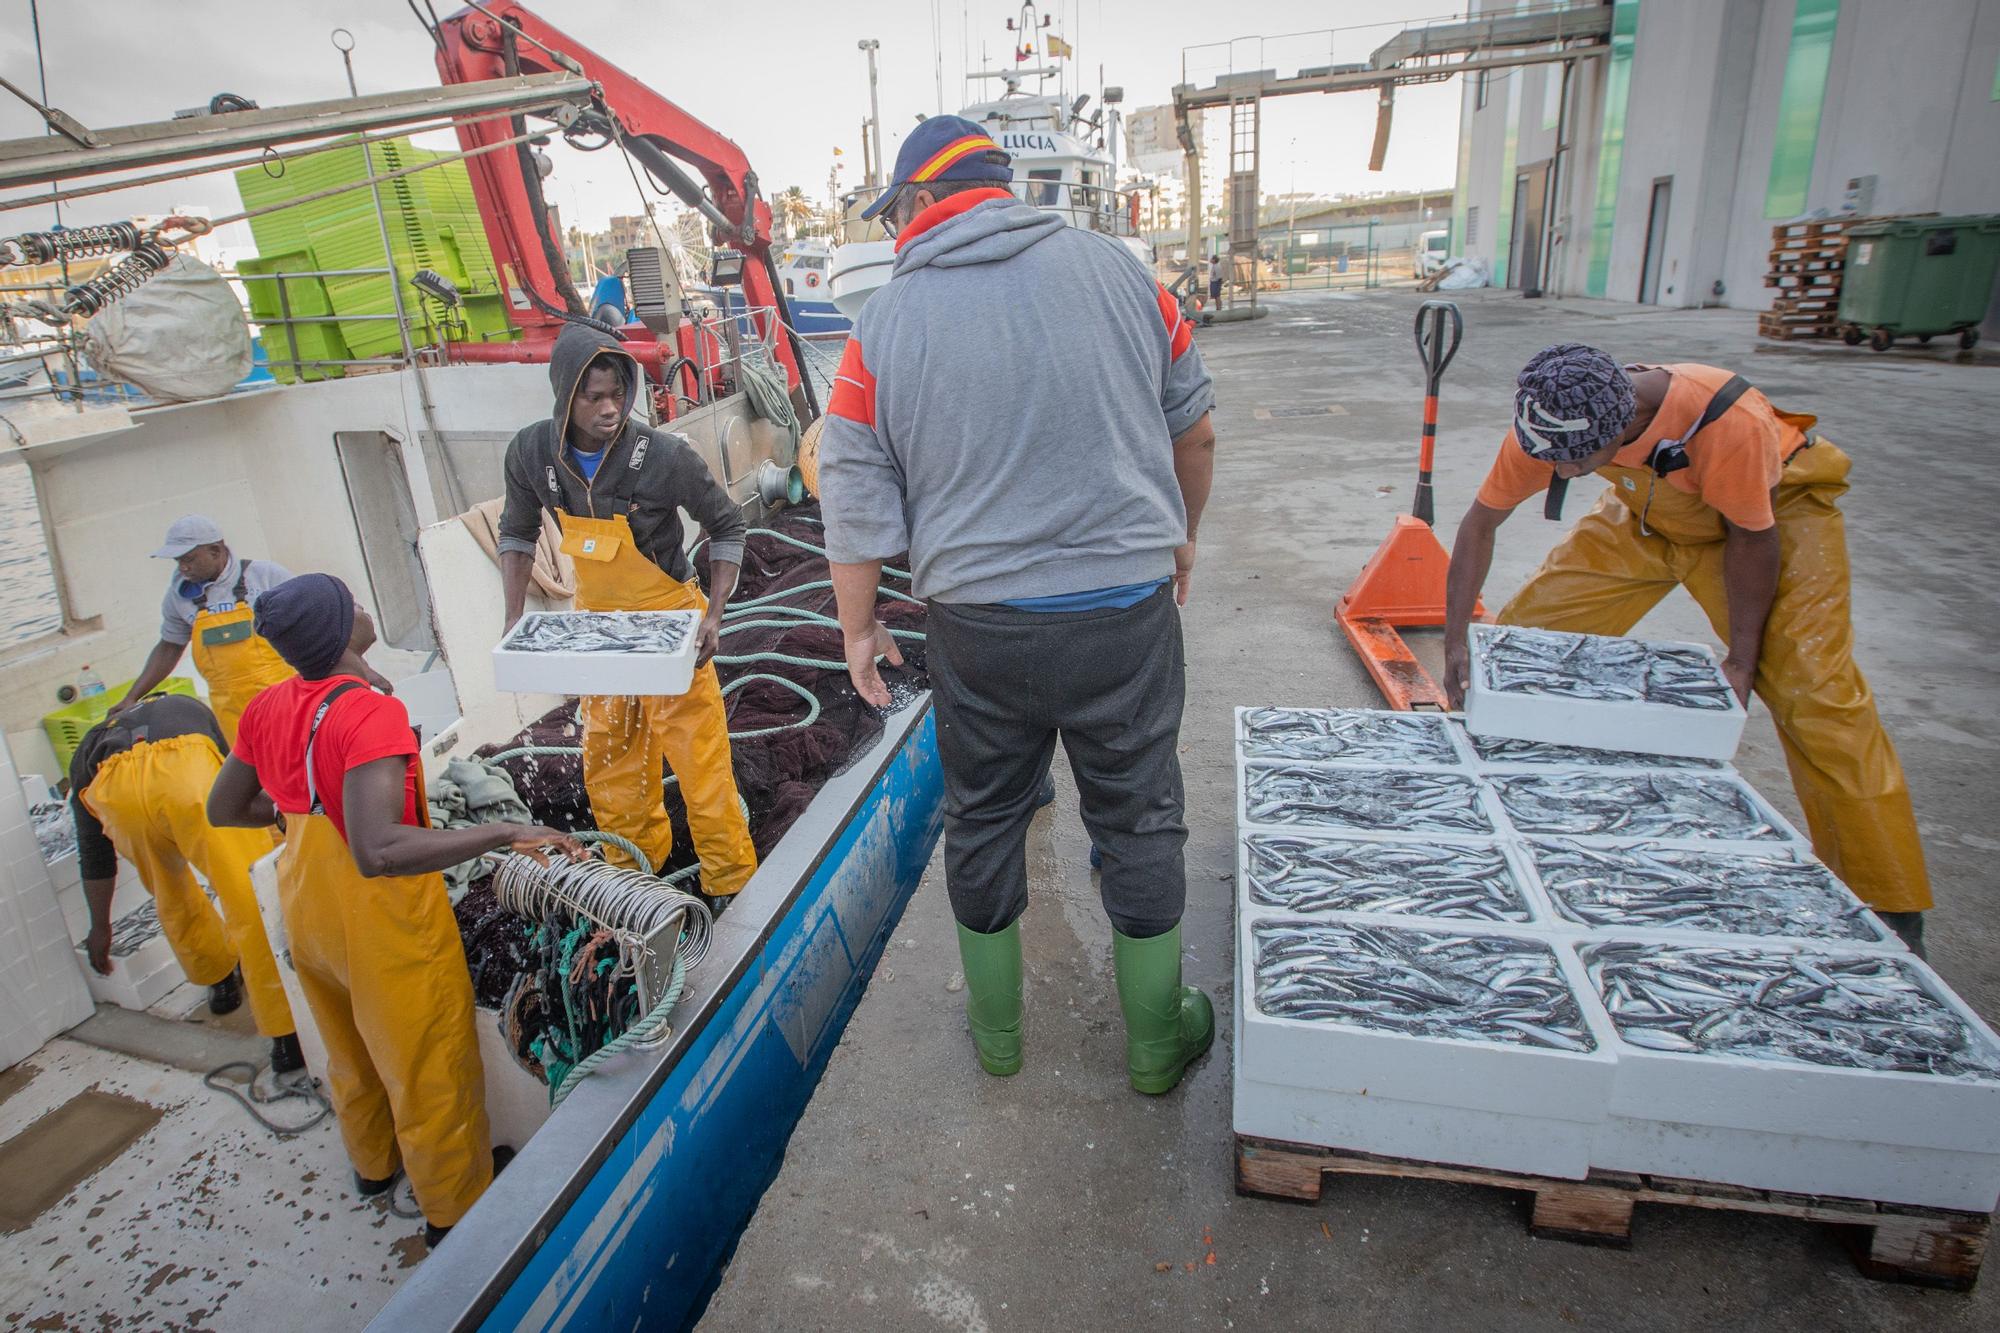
(1918, 278)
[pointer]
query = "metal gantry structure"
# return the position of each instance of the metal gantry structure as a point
(1426, 53)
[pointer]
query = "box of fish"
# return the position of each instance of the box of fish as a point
(598, 652)
(1777, 1040)
(1457, 1043)
(1650, 886)
(1491, 753)
(1295, 872)
(1376, 801)
(1589, 689)
(1676, 806)
(1372, 737)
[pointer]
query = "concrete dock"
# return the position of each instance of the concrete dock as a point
(918, 1193)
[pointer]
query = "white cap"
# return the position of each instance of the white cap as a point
(188, 532)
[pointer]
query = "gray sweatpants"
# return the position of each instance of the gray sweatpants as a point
(1006, 685)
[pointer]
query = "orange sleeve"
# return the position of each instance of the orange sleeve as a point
(853, 393)
(1735, 463)
(1514, 476)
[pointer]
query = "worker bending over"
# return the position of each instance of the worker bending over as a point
(210, 601)
(1049, 506)
(138, 788)
(1714, 489)
(617, 487)
(372, 934)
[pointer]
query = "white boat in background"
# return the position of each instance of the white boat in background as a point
(1064, 163)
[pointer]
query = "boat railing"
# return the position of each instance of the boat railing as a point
(1095, 207)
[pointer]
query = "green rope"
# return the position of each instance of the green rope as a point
(812, 704)
(808, 618)
(789, 540)
(649, 1030)
(814, 586)
(631, 849)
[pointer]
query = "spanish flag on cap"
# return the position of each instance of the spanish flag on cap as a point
(945, 148)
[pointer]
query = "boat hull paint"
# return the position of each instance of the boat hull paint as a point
(654, 1214)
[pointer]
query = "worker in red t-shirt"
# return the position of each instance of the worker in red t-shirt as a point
(1716, 490)
(372, 933)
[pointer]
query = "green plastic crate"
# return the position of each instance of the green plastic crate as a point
(67, 725)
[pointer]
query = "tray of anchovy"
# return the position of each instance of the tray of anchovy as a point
(1590, 690)
(598, 652)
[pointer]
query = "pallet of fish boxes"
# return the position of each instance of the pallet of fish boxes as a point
(1399, 992)
(1587, 689)
(1399, 879)
(598, 652)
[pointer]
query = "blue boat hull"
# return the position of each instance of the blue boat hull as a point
(634, 1231)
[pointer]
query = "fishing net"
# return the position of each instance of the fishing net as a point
(560, 998)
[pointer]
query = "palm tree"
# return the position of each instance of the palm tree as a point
(795, 209)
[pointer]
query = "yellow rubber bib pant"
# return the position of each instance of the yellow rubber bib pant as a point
(625, 739)
(383, 969)
(1609, 571)
(152, 802)
(235, 661)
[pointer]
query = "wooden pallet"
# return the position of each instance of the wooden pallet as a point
(1932, 1247)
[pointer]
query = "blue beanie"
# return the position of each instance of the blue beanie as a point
(1570, 400)
(309, 620)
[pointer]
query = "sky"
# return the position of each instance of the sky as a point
(783, 79)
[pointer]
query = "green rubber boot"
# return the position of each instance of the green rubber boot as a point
(993, 996)
(1168, 1026)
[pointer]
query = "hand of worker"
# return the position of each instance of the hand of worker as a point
(98, 944)
(707, 637)
(1457, 669)
(861, 668)
(535, 839)
(1183, 571)
(1740, 675)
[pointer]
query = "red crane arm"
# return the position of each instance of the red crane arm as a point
(500, 39)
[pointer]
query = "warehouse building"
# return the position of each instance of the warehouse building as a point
(1653, 170)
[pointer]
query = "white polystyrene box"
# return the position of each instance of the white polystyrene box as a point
(1500, 782)
(1473, 1075)
(1430, 734)
(601, 673)
(1540, 916)
(1800, 1163)
(1696, 733)
(139, 979)
(1551, 900)
(1420, 825)
(1958, 1115)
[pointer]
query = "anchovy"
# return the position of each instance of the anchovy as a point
(602, 632)
(1347, 735)
(1744, 893)
(1374, 799)
(1512, 660)
(1853, 1011)
(1635, 805)
(1419, 983)
(1306, 874)
(55, 829)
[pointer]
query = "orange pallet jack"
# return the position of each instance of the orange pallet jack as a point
(1402, 585)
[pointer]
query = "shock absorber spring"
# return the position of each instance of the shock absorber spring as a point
(44, 247)
(121, 279)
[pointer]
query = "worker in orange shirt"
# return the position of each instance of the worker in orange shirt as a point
(1714, 489)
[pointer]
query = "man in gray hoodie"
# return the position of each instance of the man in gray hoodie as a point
(1022, 409)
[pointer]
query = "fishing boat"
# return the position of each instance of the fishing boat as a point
(1064, 162)
(624, 1200)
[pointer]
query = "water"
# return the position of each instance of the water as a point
(28, 606)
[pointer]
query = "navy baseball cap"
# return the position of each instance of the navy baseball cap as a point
(945, 148)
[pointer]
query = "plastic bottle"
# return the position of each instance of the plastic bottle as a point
(88, 683)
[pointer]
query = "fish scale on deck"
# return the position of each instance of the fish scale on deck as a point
(1392, 869)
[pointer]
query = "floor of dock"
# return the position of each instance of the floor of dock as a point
(920, 1194)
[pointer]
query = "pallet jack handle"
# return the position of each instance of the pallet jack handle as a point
(1436, 353)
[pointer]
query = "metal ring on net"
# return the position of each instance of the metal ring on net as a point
(627, 901)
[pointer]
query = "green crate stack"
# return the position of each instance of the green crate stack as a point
(433, 222)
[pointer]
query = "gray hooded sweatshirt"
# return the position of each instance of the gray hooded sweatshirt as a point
(657, 471)
(1006, 409)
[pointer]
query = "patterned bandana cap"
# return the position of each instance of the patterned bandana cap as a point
(1570, 401)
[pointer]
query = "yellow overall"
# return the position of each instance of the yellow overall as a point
(234, 659)
(626, 738)
(1609, 571)
(382, 966)
(152, 800)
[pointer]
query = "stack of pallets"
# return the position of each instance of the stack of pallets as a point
(1806, 261)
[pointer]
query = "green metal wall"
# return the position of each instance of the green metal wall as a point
(1799, 102)
(1611, 146)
